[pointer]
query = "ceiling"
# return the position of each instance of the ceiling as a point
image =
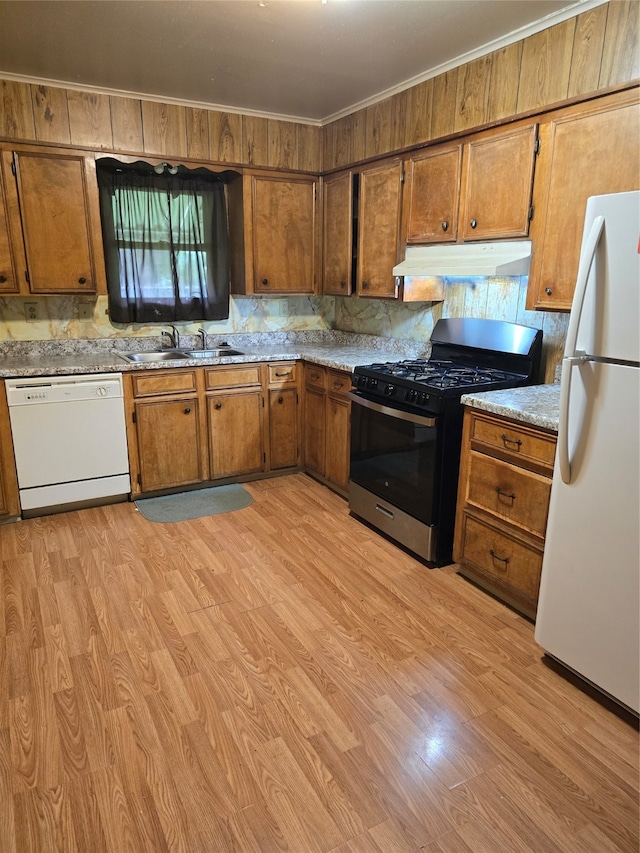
(305, 59)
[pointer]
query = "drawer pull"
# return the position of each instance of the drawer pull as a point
(506, 440)
(504, 560)
(384, 511)
(511, 497)
(338, 385)
(285, 373)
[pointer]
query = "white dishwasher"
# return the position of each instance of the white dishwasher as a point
(69, 439)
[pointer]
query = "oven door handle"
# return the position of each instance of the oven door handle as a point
(388, 410)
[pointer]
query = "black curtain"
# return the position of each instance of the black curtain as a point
(166, 244)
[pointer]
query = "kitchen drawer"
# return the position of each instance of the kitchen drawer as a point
(283, 373)
(152, 383)
(232, 377)
(338, 383)
(513, 441)
(499, 557)
(315, 377)
(518, 496)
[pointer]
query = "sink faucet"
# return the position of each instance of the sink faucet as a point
(174, 337)
(203, 337)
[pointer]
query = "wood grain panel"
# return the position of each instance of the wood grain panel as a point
(255, 141)
(51, 114)
(225, 137)
(505, 76)
(126, 124)
(343, 141)
(16, 110)
(398, 120)
(309, 148)
(546, 65)
(418, 115)
(282, 141)
(472, 93)
(586, 58)
(358, 130)
(89, 119)
(329, 146)
(164, 129)
(621, 54)
(378, 128)
(444, 104)
(197, 123)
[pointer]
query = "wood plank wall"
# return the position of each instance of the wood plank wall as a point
(577, 58)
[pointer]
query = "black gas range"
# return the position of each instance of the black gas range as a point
(406, 425)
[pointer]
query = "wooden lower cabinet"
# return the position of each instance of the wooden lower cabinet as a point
(284, 418)
(9, 495)
(165, 430)
(503, 501)
(235, 415)
(327, 424)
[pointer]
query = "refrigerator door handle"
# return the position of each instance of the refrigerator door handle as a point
(564, 462)
(587, 257)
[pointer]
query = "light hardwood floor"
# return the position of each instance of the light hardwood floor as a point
(283, 679)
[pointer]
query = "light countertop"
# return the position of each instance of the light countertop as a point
(538, 405)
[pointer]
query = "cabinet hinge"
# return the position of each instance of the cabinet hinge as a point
(264, 458)
(26, 275)
(531, 211)
(262, 402)
(402, 177)
(537, 145)
(139, 479)
(133, 417)
(13, 164)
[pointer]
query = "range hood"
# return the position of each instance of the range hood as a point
(466, 259)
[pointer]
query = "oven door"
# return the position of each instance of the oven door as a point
(394, 455)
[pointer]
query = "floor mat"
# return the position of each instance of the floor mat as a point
(196, 504)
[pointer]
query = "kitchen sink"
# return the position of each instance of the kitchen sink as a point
(173, 354)
(214, 353)
(159, 355)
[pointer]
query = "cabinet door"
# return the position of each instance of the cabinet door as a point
(12, 262)
(169, 443)
(56, 221)
(337, 249)
(283, 428)
(9, 496)
(337, 444)
(236, 444)
(589, 150)
(433, 193)
(379, 229)
(314, 430)
(284, 234)
(497, 183)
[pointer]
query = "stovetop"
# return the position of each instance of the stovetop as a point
(430, 383)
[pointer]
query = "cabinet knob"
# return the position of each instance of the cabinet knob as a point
(365, 285)
(281, 399)
(82, 280)
(473, 223)
(548, 291)
(445, 226)
(187, 410)
(265, 282)
(218, 405)
(3, 278)
(343, 284)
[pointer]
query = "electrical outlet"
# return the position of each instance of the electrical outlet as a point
(282, 308)
(85, 311)
(31, 310)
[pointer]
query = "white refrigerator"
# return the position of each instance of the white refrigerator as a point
(589, 608)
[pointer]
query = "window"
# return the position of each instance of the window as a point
(166, 243)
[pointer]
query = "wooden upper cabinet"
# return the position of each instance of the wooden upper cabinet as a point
(12, 261)
(433, 194)
(284, 238)
(337, 247)
(58, 209)
(476, 190)
(590, 149)
(497, 182)
(379, 209)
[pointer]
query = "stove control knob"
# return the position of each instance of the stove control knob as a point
(389, 390)
(373, 383)
(422, 399)
(411, 395)
(361, 381)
